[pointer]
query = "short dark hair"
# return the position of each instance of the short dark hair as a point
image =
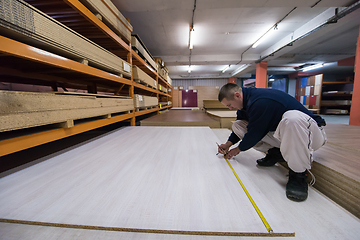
(227, 91)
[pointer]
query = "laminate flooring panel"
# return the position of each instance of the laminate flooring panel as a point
(181, 118)
(316, 218)
(127, 179)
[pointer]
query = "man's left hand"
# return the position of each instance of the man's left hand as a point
(233, 152)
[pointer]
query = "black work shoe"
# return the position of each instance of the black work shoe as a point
(273, 156)
(297, 187)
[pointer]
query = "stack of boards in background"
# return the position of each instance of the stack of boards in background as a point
(141, 49)
(142, 101)
(309, 92)
(162, 69)
(158, 65)
(29, 109)
(214, 105)
(141, 77)
(107, 12)
(21, 21)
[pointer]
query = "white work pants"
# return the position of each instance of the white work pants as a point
(297, 136)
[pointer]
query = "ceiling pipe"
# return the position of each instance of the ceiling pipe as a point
(334, 19)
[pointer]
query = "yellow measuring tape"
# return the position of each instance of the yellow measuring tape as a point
(251, 200)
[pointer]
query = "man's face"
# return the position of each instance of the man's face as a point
(236, 103)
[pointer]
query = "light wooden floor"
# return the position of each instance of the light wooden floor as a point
(181, 118)
(160, 178)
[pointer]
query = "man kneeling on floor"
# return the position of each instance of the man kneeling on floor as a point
(275, 123)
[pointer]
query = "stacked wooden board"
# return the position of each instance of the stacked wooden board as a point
(225, 117)
(142, 101)
(27, 109)
(20, 21)
(214, 105)
(141, 77)
(141, 49)
(336, 166)
(111, 16)
(163, 89)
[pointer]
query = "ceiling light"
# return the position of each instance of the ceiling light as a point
(312, 67)
(239, 69)
(189, 69)
(191, 38)
(271, 80)
(226, 68)
(265, 36)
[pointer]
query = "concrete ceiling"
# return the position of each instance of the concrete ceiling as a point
(224, 31)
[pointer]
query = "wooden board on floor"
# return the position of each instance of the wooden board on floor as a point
(316, 218)
(93, 188)
(181, 118)
(128, 180)
(225, 117)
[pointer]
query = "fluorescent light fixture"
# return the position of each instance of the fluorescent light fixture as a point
(191, 37)
(271, 80)
(226, 68)
(265, 36)
(312, 67)
(239, 69)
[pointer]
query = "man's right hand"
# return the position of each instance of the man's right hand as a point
(224, 148)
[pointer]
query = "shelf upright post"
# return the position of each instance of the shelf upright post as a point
(157, 93)
(131, 88)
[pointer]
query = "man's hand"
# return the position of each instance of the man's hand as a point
(224, 148)
(233, 152)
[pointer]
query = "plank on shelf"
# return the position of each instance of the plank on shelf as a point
(29, 59)
(145, 101)
(26, 109)
(140, 76)
(36, 28)
(137, 44)
(111, 16)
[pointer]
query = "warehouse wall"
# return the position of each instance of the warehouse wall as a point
(199, 82)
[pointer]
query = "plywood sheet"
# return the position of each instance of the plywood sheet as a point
(27, 109)
(225, 117)
(145, 101)
(111, 16)
(316, 218)
(141, 76)
(137, 44)
(214, 104)
(103, 183)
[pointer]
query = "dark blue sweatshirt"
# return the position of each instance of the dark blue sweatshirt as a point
(263, 109)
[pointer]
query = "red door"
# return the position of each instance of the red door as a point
(189, 98)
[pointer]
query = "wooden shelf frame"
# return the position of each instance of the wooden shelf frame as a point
(24, 142)
(47, 68)
(27, 52)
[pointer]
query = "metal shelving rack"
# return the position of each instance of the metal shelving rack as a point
(22, 63)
